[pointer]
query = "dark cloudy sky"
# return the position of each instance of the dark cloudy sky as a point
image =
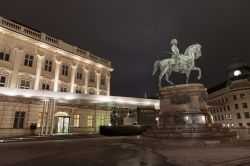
(132, 34)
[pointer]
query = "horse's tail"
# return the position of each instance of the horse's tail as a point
(156, 66)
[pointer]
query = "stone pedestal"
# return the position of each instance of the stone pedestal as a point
(184, 114)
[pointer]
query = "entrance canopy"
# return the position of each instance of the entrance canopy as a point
(73, 98)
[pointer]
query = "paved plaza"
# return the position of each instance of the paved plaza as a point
(118, 151)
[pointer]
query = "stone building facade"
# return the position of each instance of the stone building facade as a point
(57, 86)
(34, 61)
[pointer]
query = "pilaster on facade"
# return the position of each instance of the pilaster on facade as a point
(98, 78)
(57, 72)
(86, 74)
(18, 59)
(73, 76)
(38, 71)
(108, 85)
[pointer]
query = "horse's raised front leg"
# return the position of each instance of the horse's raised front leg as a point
(199, 70)
(167, 78)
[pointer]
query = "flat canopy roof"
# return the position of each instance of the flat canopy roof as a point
(67, 98)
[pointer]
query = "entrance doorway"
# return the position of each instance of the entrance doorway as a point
(63, 123)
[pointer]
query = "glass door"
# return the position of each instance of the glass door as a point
(63, 124)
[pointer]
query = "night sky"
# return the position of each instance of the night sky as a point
(133, 34)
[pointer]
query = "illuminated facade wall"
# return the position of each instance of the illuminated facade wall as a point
(30, 59)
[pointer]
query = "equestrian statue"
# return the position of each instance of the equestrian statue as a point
(180, 63)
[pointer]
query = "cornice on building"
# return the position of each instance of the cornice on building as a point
(45, 41)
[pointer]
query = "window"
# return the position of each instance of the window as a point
(215, 118)
(2, 81)
(222, 117)
(228, 107)
(92, 77)
(45, 86)
(65, 70)
(25, 84)
(244, 105)
(103, 81)
(248, 124)
(76, 120)
(226, 99)
(230, 116)
(217, 110)
(90, 121)
(4, 56)
(79, 75)
(247, 115)
(19, 120)
(240, 124)
(226, 116)
(102, 120)
(63, 89)
(78, 91)
(236, 106)
(238, 116)
(28, 61)
(218, 118)
(242, 96)
(234, 97)
(48, 66)
(220, 109)
(39, 119)
(224, 108)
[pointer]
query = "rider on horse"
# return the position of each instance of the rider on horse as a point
(175, 50)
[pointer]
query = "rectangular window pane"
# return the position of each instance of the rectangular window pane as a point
(19, 120)
(2, 81)
(90, 121)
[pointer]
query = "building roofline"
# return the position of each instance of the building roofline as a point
(42, 37)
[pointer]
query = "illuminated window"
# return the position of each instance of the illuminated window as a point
(65, 70)
(48, 66)
(226, 116)
(19, 120)
(76, 120)
(25, 84)
(39, 119)
(102, 121)
(90, 121)
(230, 116)
(4, 56)
(2, 81)
(92, 77)
(28, 61)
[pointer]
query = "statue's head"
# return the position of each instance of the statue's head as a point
(173, 41)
